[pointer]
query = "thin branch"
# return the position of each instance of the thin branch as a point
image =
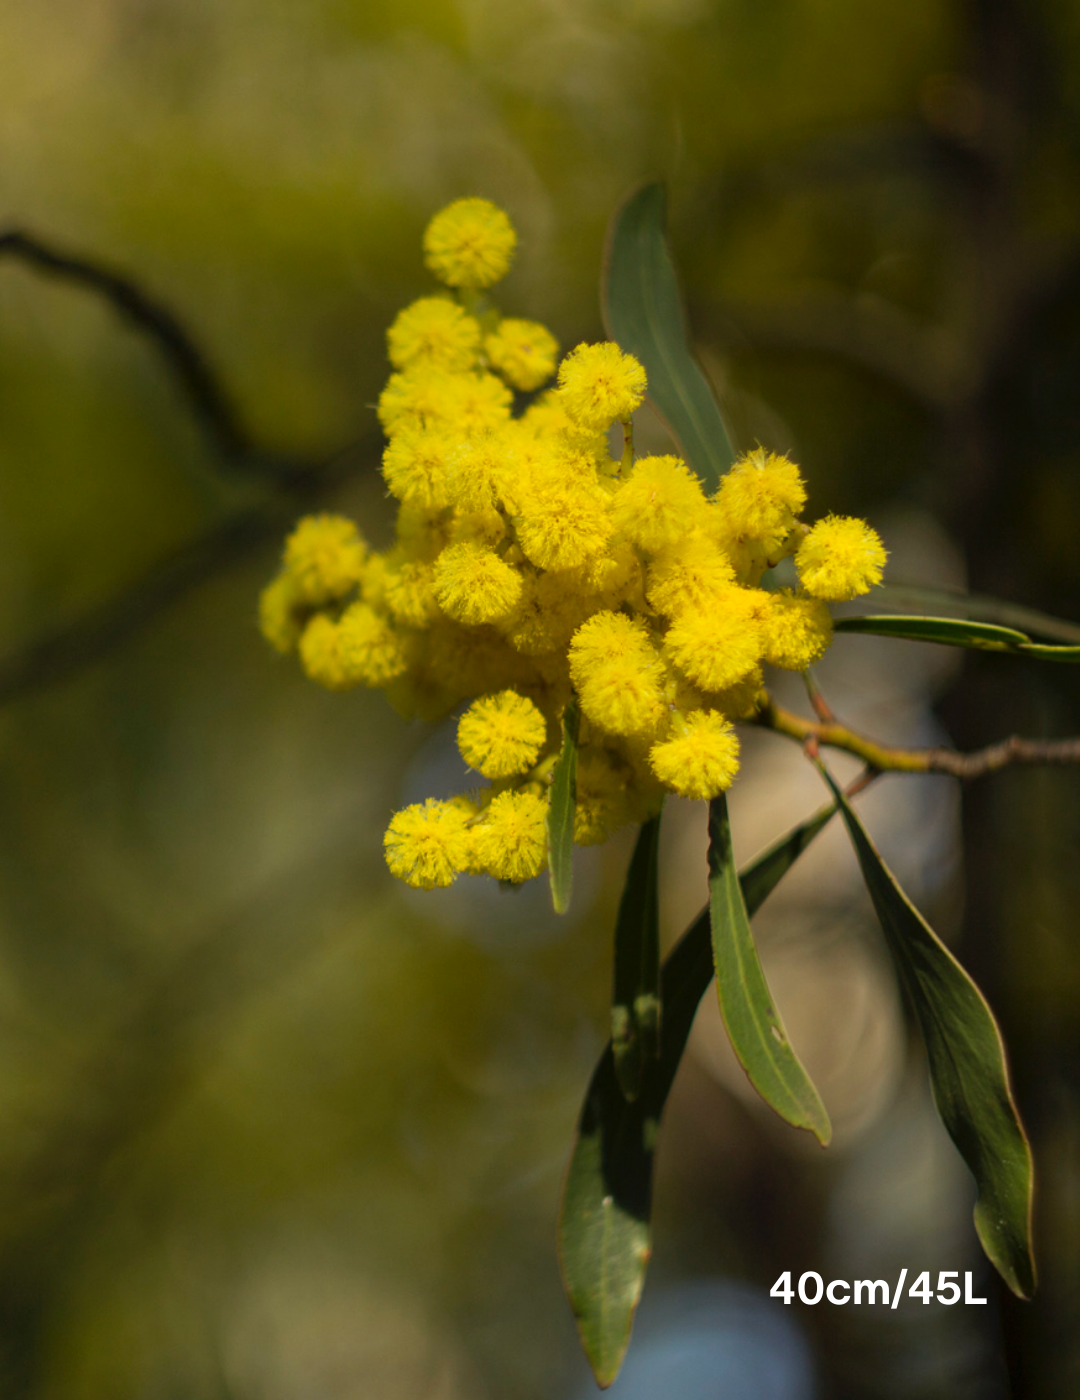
(57, 655)
(63, 652)
(209, 401)
(885, 758)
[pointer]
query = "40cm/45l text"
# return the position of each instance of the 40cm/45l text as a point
(812, 1289)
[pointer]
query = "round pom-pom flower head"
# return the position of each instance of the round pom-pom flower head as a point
(797, 631)
(501, 735)
(701, 758)
(324, 556)
(523, 352)
(510, 842)
(599, 384)
(660, 504)
(840, 558)
(433, 331)
(470, 244)
(428, 843)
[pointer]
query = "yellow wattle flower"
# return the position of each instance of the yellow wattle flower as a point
(561, 524)
(599, 384)
(324, 556)
(840, 558)
(688, 576)
(415, 466)
(701, 757)
(718, 648)
(501, 735)
(797, 631)
(409, 590)
(469, 244)
(510, 839)
(429, 843)
(530, 568)
(761, 495)
(659, 504)
(523, 352)
(473, 585)
(625, 697)
(433, 331)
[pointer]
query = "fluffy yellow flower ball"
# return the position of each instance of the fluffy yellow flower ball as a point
(510, 841)
(360, 649)
(523, 352)
(428, 843)
(324, 556)
(501, 735)
(797, 631)
(659, 503)
(625, 697)
(840, 558)
(433, 331)
(688, 576)
(414, 466)
(599, 384)
(607, 636)
(473, 585)
(701, 758)
(761, 495)
(470, 244)
(562, 523)
(719, 648)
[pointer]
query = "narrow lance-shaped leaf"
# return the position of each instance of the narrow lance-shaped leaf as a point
(604, 1227)
(643, 312)
(1045, 652)
(956, 632)
(753, 1024)
(949, 631)
(635, 1005)
(967, 1066)
(560, 817)
(950, 602)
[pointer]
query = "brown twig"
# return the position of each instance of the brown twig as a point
(886, 758)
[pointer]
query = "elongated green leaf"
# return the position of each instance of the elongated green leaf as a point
(753, 1024)
(643, 312)
(967, 1066)
(560, 818)
(1051, 653)
(635, 1005)
(958, 632)
(604, 1229)
(949, 602)
(950, 631)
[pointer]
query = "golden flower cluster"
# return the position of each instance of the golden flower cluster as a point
(531, 566)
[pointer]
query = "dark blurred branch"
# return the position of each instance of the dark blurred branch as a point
(59, 654)
(208, 400)
(68, 649)
(886, 758)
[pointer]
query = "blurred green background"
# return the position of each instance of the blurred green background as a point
(274, 1127)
